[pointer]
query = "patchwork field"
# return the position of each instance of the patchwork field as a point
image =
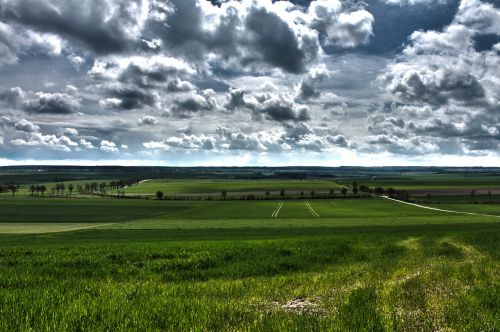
(340, 264)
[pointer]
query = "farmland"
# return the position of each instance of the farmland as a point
(196, 265)
(216, 186)
(82, 262)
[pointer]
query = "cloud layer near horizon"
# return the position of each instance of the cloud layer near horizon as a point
(194, 81)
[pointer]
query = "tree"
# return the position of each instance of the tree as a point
(159, 194)
(313, 193)
(391, 192)
(43, 189)
(344, 191)
(70, 188)
(223, 194)
(473, 195)
(332, 192)
(268, 193)
(355, 188)
(489, 196)
(62, 186)
(13, 189)
(379, 191)
(32, 189)
(282, 192)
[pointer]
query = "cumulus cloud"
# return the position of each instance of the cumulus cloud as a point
(103, 25)
(293, 137)
(192, 103)
(40, 102)
(267, 106)
(446, 89)
(257, 34)
(345, 29)
(52, 142)
(86, 144)
(136, 82)
(26, 126)
(108, 146)
(148, 121)
(307, 88)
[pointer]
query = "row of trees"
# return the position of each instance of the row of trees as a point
(9, 188)
(62, 188)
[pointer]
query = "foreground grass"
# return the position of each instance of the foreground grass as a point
(403, 278)
(363, 264)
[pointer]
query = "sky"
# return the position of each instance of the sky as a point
(250, 82)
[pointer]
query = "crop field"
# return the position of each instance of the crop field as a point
(432, 181)
(217, 186)
(309, 264)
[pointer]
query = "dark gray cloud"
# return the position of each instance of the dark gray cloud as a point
(40, 102)
(103, 25)
(190, 104)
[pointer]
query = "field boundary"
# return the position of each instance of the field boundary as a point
(442, 210)
(45, 228)
(277, 210)
(137, 183)
(313, 212)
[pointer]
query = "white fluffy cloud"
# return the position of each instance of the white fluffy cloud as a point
(108, 146)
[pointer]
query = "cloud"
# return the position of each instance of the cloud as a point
(294, 137)
(142, 71)
(443, 94)
(307, 88)
(86, 144)
(256, 35)
(52, 142)
(69, 131)
(345, 29)
(26, 126)
(16, 40)
(136, 82)
(269, 106)
(104, 26)
(148, 121)
(40, 102)
(108, 146)
(189, 104)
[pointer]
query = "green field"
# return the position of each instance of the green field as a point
(431, 181)
(353, 264)
(217, 186)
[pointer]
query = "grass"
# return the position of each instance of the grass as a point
(364, 264)
(407, 279)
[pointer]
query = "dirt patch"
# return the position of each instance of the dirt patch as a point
(299, 306)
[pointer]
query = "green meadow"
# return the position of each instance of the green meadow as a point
(338, 264)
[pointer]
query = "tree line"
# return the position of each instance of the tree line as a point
(62, 188)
